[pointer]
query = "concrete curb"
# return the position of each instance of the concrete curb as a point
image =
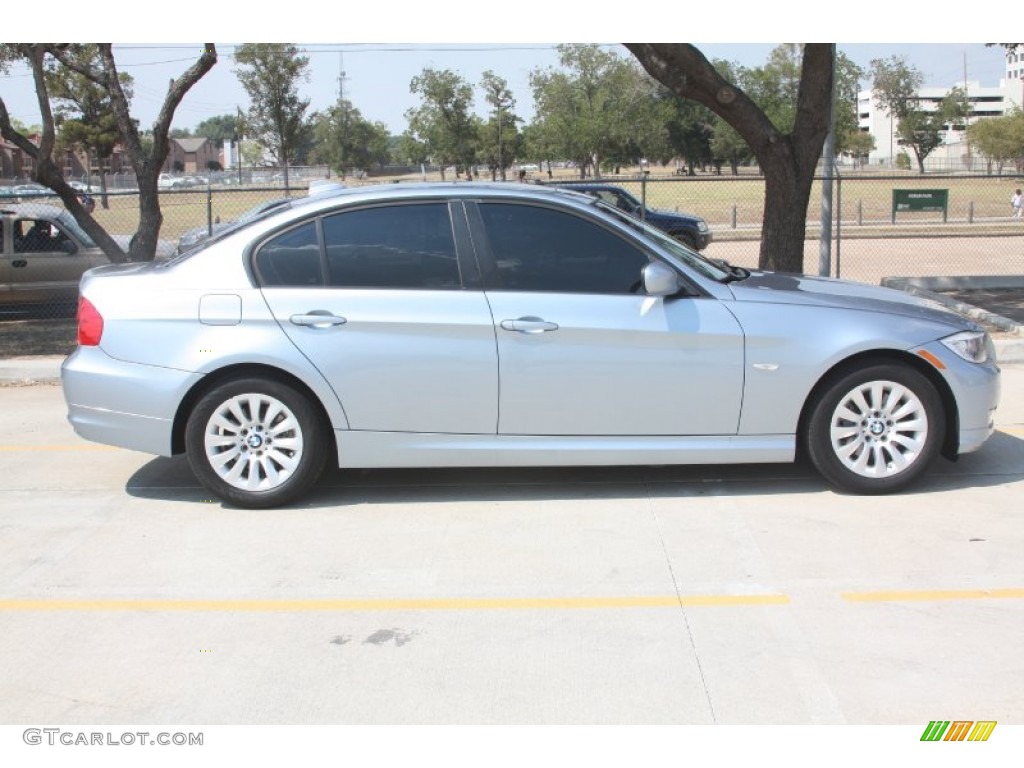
(926, 287)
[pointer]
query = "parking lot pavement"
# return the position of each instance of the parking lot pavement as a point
(686, 595)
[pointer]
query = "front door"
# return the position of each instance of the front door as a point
(581, 349)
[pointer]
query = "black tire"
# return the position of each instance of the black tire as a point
(875, 430)
(268, 444)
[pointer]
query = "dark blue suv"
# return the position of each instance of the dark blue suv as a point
(690, 230)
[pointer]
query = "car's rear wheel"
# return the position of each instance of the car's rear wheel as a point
(875, 430)
(256, 442)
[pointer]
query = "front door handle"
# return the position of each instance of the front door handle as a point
(318, 318)
(19, 263)
(529, 325)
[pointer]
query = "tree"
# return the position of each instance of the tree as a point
(1000, 139)
(689, 130)
(83, 113)
(597, 106)
(218, 129)
(858, 145)
(727, 146)
(895, 84)
(146, 155)
(443, 122)
(270, 74)
(788, 159)
(500, 140)
(846, 120)
(896, 88)
(924, 132)
(347, 141)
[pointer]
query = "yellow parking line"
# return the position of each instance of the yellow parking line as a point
(897, 596)
(399, 604)
(15, 448)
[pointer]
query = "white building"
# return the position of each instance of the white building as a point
(955, 153)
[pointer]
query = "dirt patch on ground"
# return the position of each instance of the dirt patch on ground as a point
(38, 337)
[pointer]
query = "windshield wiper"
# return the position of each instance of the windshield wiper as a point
(734, 273)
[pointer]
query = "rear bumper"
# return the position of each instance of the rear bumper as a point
(123, 404)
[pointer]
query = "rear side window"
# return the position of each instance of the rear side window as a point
(292, 259)
(397, 246)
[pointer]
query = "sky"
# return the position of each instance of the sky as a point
(377, 75)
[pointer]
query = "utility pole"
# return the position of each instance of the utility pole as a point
(342, 114)
(967, 114)
(828, 168)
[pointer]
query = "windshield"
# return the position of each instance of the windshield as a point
(676, 249)
(67, 221)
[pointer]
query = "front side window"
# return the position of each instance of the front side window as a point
(540, 249)
(396, 246)
(40, 236)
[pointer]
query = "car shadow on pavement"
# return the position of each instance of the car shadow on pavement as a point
(1000, 461)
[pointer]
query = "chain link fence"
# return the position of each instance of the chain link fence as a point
(878, 227)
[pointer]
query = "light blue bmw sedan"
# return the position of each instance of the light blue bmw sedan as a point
(444, 325)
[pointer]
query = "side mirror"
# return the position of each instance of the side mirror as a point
(68, 247)
(660, 280)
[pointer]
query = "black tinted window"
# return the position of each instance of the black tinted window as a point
(291, 258)
(399, 246)
(539, 249)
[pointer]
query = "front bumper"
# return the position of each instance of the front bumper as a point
(123, 404)
(976, 391)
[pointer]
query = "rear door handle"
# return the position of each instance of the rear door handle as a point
(318, 318)
(19, 263)
(529, 325)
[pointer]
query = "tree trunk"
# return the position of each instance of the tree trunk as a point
(782, 233)
(788, 161)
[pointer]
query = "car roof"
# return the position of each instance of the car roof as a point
(31, 210)
(462, 189)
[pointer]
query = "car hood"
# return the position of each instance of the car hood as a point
(662, 214)
(784, 288)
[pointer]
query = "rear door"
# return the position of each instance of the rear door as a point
(380, 299)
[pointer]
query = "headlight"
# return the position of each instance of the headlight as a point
(702, 226)
(973, 346)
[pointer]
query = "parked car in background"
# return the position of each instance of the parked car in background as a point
(29, 191)
(44, 252)
(686, 228)
(85, 189)
(443, 325)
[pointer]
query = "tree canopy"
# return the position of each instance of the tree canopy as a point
(444, 123)
(270, 74)
(788, 157)
(147, 157)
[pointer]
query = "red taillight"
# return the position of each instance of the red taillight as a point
(90, 323)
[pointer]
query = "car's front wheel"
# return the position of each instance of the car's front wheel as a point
(256, 442)
(875, 430)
